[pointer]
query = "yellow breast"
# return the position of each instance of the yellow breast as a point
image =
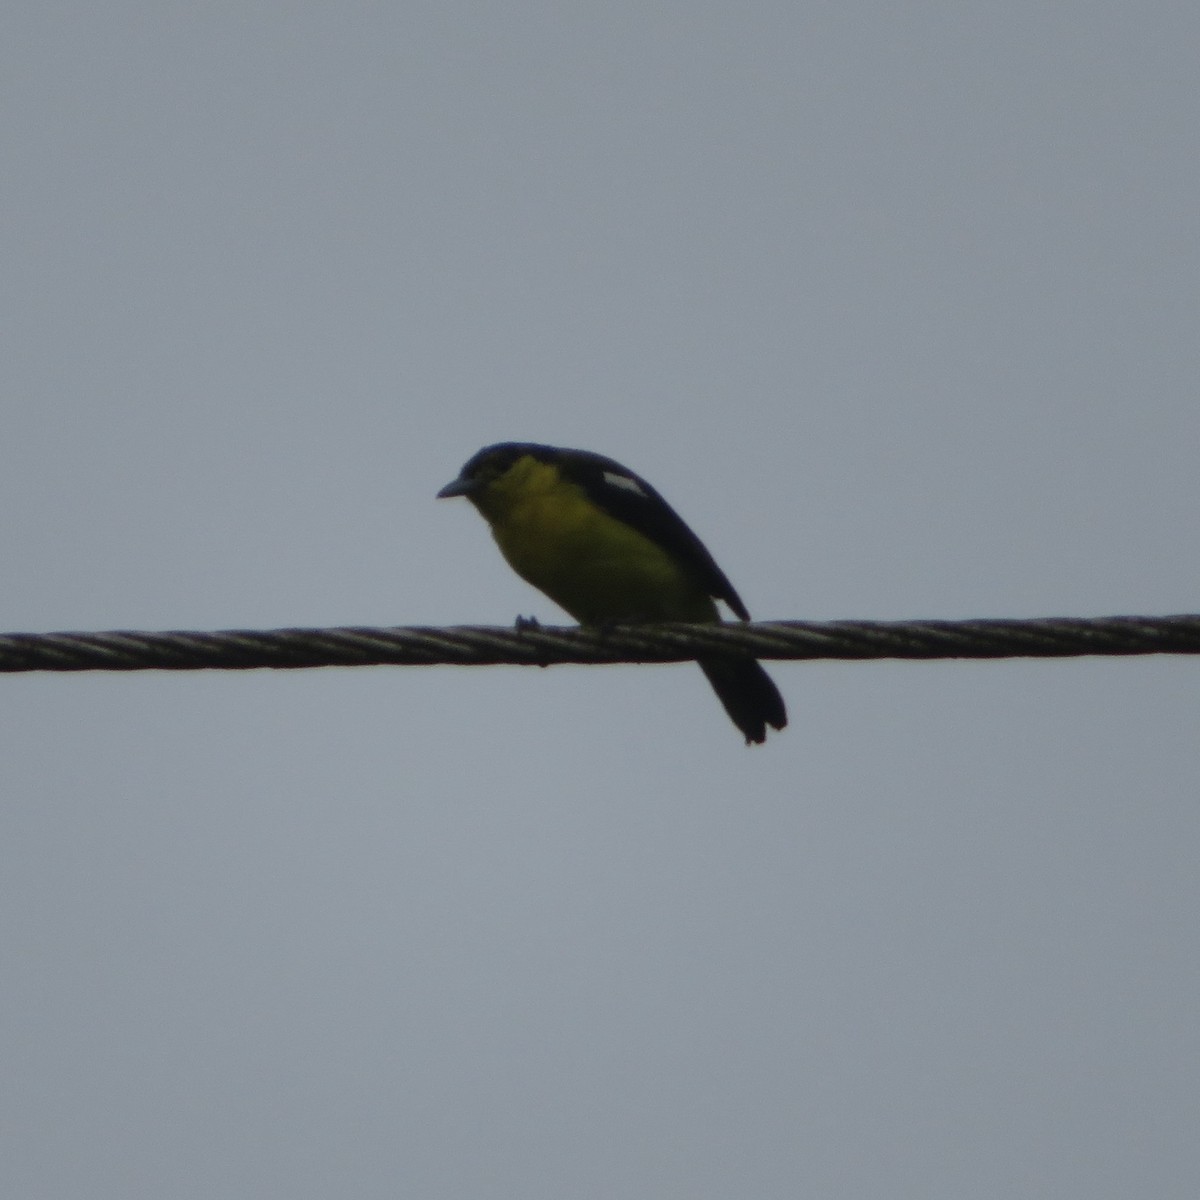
(595, 567)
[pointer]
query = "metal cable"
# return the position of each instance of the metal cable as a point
(529, 644)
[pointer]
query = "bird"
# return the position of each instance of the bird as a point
(606, 547)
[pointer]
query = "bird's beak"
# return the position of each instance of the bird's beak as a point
(458, 487)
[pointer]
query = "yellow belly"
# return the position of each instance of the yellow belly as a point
(594, 566)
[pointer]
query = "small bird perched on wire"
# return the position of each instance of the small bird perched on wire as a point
(605, 546)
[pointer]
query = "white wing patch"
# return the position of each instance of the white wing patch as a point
(623, 481)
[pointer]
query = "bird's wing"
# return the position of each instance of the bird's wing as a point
(630, 499)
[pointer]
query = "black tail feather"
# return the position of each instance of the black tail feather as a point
(748, 693)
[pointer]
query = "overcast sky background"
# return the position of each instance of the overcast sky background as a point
(897, 304)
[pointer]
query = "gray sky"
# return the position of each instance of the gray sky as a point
(897, 305)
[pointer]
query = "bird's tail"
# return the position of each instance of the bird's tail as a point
(750, 697)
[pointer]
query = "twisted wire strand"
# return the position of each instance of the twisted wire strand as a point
(529, 644)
